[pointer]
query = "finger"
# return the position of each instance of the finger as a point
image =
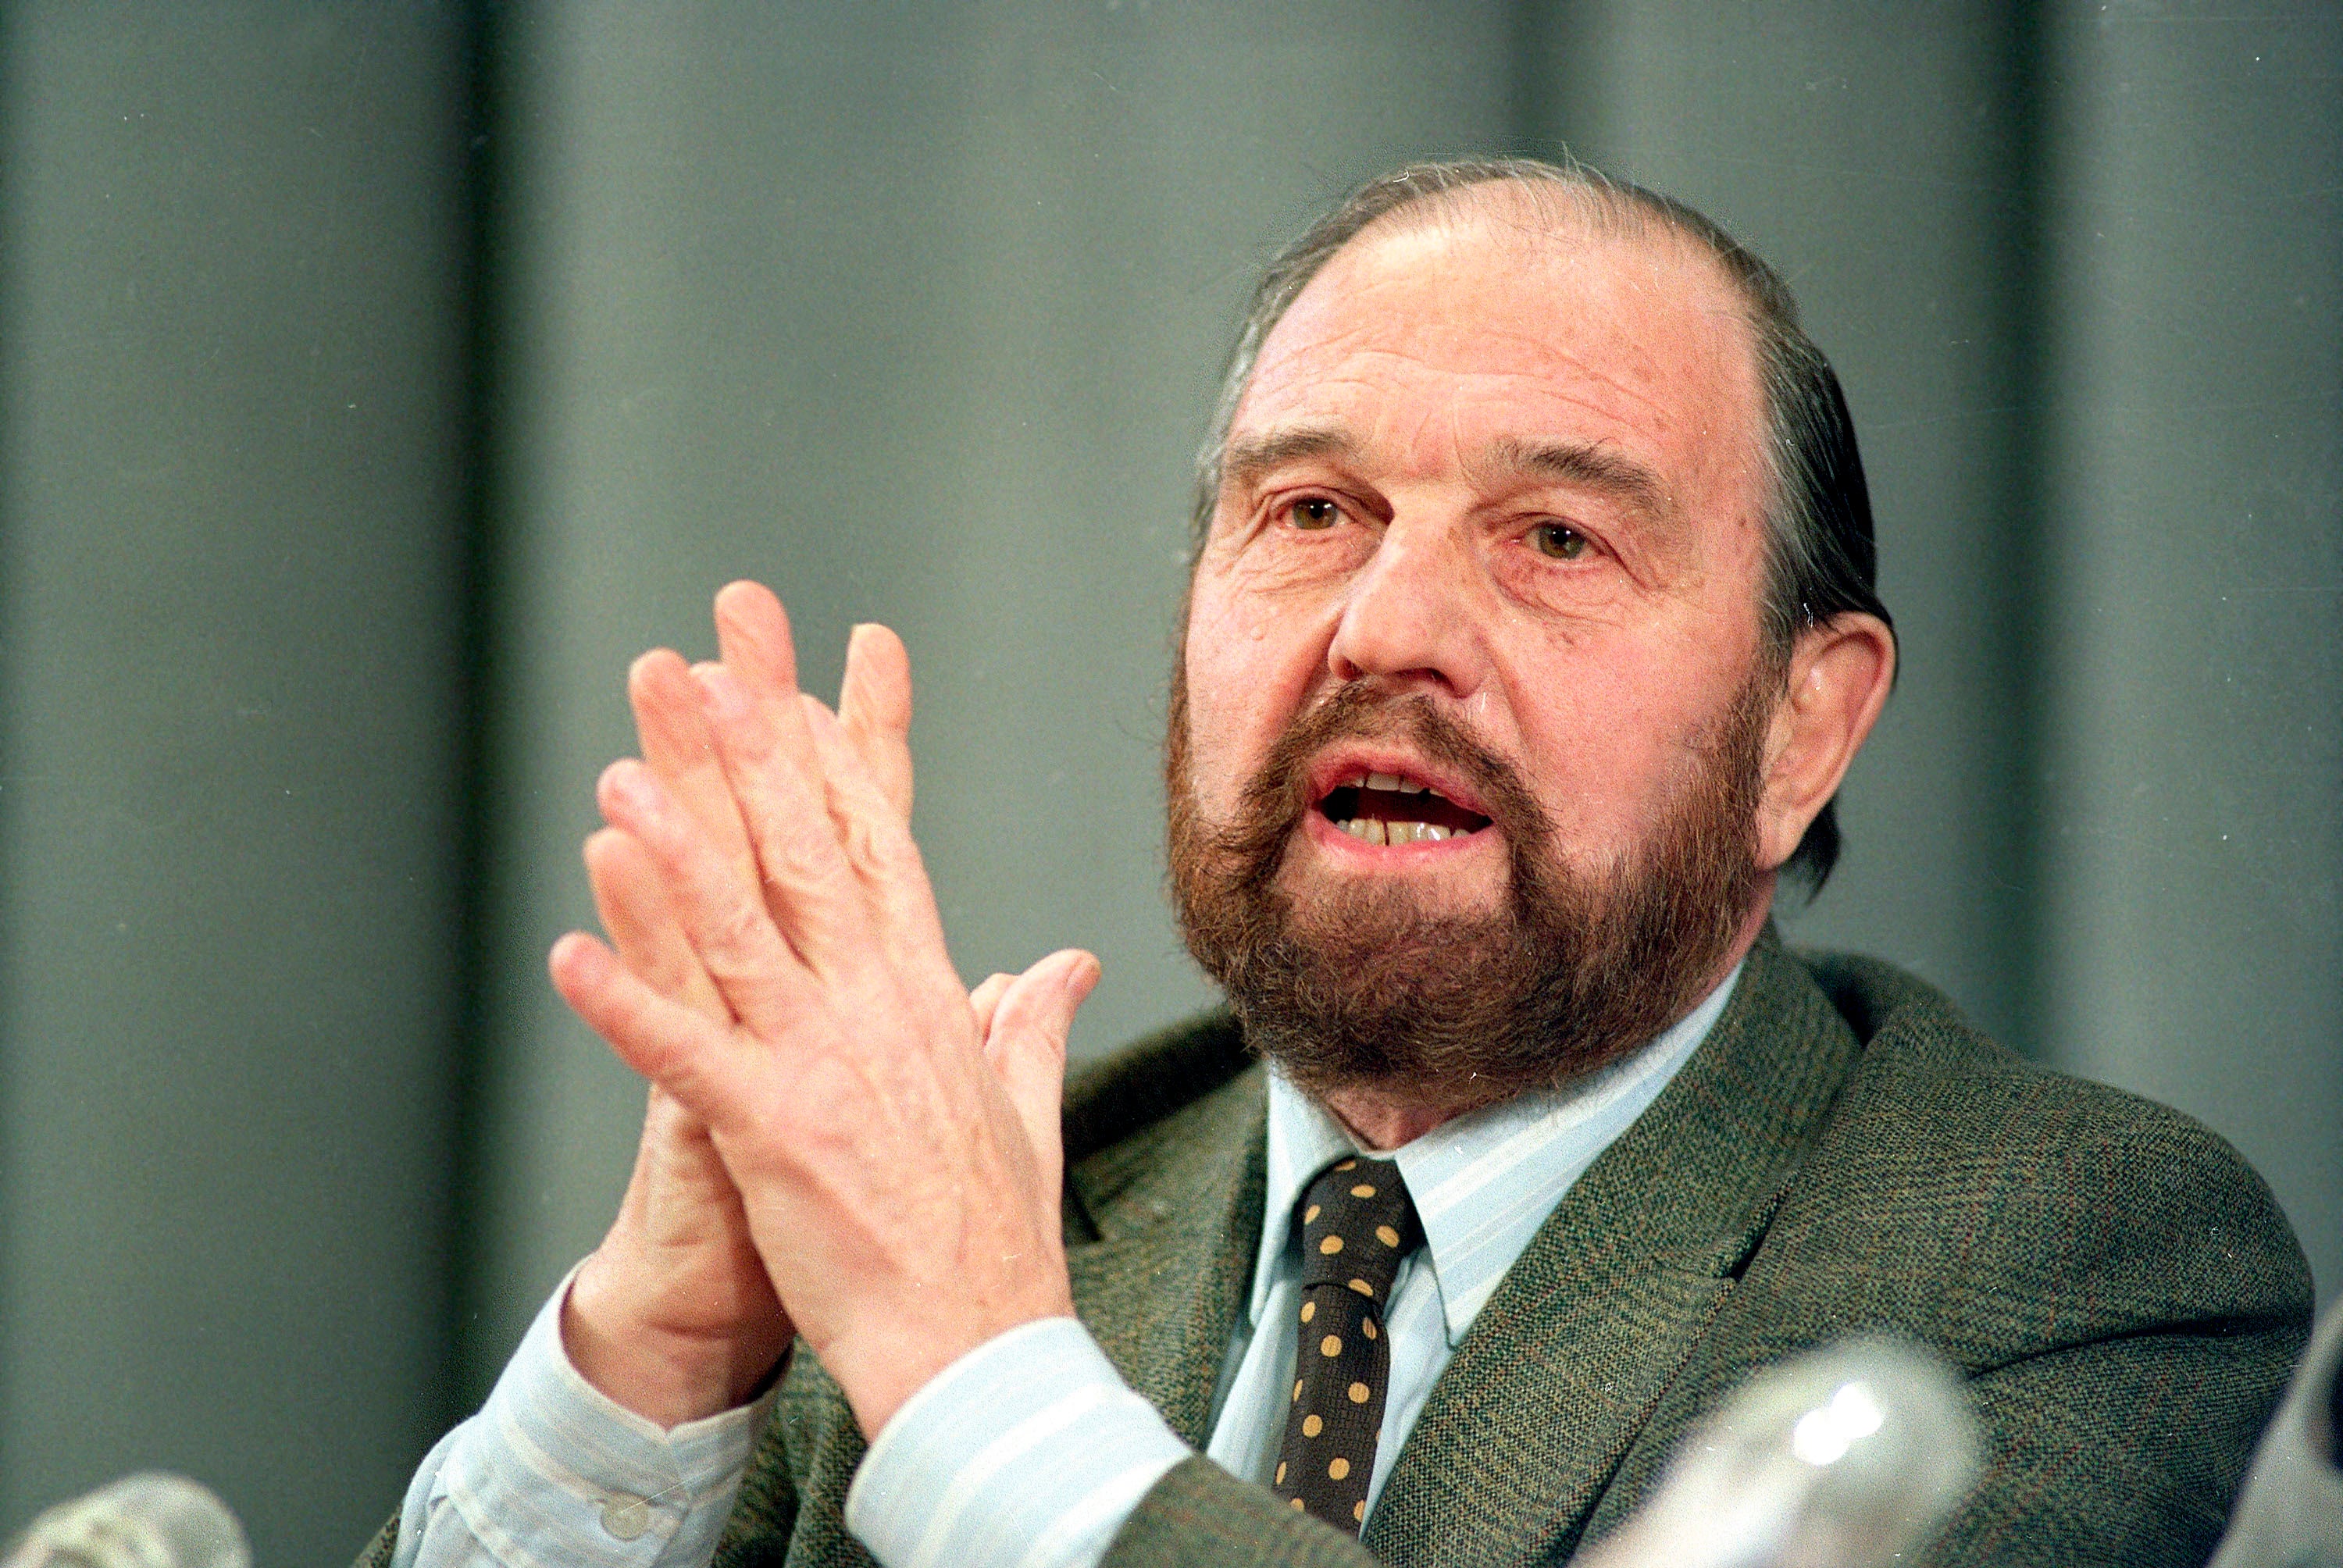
(674, 1047)
(874, 707)
(876, 838)
(672, 721)
(752, 635)
(815, 895)
(752, 632)
(984, 999)
(722, 915)
(635, 911)
(1026, 1047)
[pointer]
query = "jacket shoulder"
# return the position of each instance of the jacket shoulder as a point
(2038, 1208)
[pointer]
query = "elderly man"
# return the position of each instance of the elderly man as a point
(1531, 632)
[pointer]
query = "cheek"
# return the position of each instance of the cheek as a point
(1606, 738)
(1249, 668)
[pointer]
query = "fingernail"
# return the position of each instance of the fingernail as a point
(854, 636)
(727, 700)
(631, 785)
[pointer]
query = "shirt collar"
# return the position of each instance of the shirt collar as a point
(1483, 1182)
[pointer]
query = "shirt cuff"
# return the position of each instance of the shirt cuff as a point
(1028, 1452)
(554, 1472)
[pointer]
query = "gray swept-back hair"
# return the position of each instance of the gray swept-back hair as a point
(1820, 559)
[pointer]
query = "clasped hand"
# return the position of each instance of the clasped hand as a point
(839, 1139)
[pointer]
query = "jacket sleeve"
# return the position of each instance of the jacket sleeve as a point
(1198, 1512)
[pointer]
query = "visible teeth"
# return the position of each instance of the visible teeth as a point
(1382, 781)
(1374, 831)
(1410, 786)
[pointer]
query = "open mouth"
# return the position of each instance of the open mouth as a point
(1388, 808)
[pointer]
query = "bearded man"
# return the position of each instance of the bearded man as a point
(1531, 632)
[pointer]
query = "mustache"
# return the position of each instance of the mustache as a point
(1275, 799)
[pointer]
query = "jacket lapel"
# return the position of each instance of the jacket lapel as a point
(1178, 1214)
(1565, 1363)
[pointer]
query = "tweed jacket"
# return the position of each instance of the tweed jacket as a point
(1842, 1153)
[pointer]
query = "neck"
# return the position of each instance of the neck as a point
(1383, 1117)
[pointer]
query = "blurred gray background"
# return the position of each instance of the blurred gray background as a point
(375, 380)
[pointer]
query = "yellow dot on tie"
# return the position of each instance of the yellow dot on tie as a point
(1362, 1191)
(1363, 1289)
(1297, 1390)
(1386, 1235)
(1370, 1326)
(1337, 1469)
(1281, 1472)
(1330, 1245)
(1359, 1511)
(1348, 1165)
(1310, 1214)
(1358, 1393)
(1309, 1311)
(1297, 1505)
(1330, 1346)
(1311, 1427)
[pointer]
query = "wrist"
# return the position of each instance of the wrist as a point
(879, 1367)
(616, 1339)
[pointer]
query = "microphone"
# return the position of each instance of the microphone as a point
(1844, 1457)
(151, 1520)
(2290, 1514)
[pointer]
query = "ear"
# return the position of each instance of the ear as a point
(1840, 675)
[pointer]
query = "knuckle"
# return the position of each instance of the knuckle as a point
(736, 931)
(889, 851)
(801, 855)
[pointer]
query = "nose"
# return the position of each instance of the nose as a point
(1413, 617)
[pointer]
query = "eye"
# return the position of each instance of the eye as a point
(1558, 541)
(1313, 513)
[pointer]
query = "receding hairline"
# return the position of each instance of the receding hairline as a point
(1558, 207)
(1553, 200)
(1554, 203)
(1559, 212)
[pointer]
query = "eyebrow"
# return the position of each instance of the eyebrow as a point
(1595, 467)
(1246, 462)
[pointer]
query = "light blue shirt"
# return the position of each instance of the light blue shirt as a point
(1030, 1451)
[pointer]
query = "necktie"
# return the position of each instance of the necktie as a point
(1357, 1223)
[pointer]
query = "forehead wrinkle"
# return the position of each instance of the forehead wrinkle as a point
(1357, 326)
(1546, 365)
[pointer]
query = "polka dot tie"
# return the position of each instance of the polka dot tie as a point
(1357, 1223)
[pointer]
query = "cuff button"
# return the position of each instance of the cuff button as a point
(625, 1515)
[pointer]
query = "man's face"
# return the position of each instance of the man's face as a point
(1479, 599)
